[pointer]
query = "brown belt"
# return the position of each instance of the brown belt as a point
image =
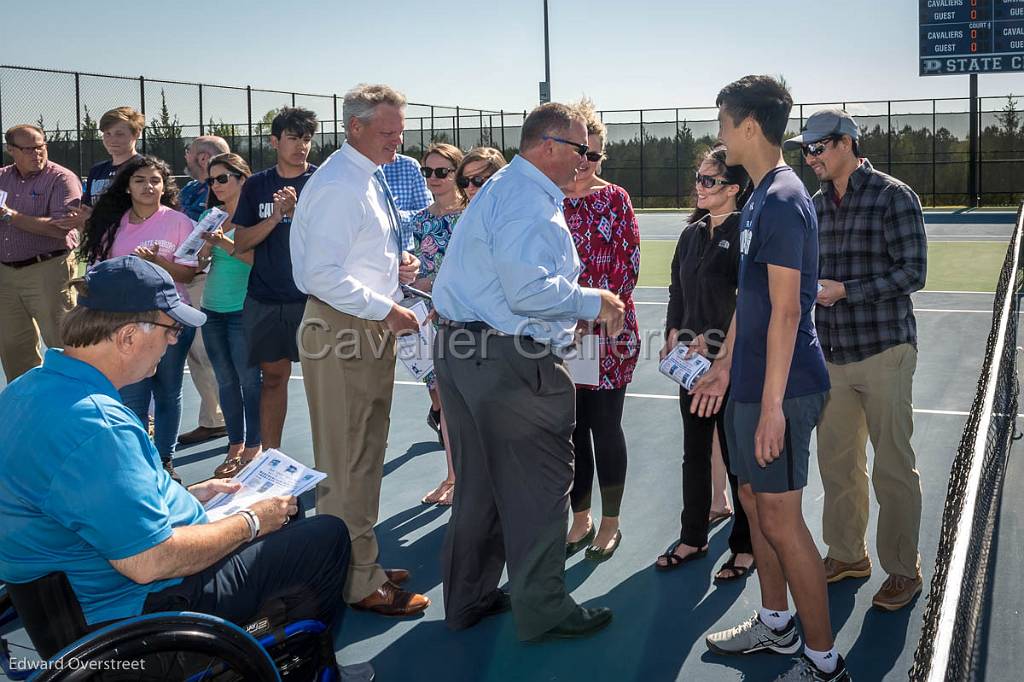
(41, 258)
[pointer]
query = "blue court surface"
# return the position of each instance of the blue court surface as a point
(661, 619)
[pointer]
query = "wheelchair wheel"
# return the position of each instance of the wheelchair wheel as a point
(174, 646)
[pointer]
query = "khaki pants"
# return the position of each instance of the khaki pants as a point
(348, 367)
(871, 398)
(200, 368)
(33, 301)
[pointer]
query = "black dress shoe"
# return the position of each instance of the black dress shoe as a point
(573, 547)
(600, 554)
(582, 622)
(502, 603)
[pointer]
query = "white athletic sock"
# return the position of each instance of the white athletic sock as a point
(825, 661)
(776, 620)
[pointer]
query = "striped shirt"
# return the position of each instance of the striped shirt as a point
(50, 193)
(873, 242)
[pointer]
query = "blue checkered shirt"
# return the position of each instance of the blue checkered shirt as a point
(409, 188)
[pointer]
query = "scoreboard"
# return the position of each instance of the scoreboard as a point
(971, 36)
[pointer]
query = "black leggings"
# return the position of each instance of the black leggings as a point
(599, 416)
(698, 434)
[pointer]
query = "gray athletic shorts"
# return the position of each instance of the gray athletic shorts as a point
(789, 471)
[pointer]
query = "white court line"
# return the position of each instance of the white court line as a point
(916, 310)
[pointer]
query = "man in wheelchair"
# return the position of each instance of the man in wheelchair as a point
(83, 490)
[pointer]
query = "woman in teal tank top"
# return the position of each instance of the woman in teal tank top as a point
(223, 334)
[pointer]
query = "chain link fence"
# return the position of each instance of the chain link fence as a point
(653, 153)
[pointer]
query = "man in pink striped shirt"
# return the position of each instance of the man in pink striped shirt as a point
(37, 242)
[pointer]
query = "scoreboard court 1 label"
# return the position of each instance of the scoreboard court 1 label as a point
(971, 36)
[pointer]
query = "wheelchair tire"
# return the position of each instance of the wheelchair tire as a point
(89, 658)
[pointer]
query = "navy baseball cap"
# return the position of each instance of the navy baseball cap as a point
(824, 124)
(128, 284)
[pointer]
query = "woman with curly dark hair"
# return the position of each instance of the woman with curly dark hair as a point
(136, 215)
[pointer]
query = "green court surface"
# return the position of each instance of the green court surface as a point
(952, 266)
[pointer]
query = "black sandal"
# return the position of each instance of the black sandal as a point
(673, 560)
(738, 572)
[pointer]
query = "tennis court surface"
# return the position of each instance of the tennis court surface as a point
(661, 619)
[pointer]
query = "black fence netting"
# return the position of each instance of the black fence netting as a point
(952, 638)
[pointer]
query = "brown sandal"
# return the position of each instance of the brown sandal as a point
(231, 465)
(437, 494)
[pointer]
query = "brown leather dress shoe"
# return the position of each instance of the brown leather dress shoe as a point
(397, 575)
(836, 570)
(391, 600)
(897, 591)
(202, 434)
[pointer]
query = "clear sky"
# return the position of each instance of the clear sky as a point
(479, 53)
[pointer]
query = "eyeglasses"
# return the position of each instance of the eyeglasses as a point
(221, 179)
(477, 180)
(594, 157)
(709, 181)
(174, 330)
(581, 149)
(816, 148)
(439, 173)
(36, 148)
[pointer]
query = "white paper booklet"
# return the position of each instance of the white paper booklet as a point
(189, 248)
(583, 362)
(271, 474)
(3, 198)
(682, 370)
(416, 350)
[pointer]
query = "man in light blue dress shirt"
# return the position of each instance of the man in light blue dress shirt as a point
(508, 303)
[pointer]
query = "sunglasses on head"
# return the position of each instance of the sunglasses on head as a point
(221, 179)
(581, 149)
(439, 173)
(816, 148)
(477, 181)
(709, 181)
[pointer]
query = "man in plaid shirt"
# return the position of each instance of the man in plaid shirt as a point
(409, 188)
(873, 255)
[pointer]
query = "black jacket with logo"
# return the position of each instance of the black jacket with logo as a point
(705, 272)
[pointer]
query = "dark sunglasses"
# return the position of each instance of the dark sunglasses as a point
(709, 181)
(439, 173)
(816, 148)
(174, 329)
(594, 157)
(477, 181)
(36, 148)
(221, 179)
(581, 149)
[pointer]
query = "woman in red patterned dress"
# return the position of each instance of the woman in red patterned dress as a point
(604, 229)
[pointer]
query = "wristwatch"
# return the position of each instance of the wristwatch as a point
(6, 215)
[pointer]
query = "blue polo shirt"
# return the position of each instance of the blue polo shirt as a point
(81, 484)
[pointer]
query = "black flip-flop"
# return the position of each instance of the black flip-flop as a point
(738, 572)
(673, 560)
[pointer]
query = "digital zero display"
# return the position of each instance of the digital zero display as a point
(971, 36)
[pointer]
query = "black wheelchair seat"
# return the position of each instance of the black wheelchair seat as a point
(267, 649)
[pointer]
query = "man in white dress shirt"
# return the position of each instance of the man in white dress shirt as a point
(347, 254)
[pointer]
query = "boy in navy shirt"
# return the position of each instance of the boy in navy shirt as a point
(274, 306)
(779, 383)
(121, 128)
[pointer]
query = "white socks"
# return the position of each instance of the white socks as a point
(825, 661)
(776, 620)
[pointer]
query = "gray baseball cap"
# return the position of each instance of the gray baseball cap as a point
(823, 124)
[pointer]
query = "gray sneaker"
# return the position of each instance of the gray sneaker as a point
(752, 635)
(806, 671)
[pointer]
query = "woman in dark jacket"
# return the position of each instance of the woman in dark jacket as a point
(702, 299)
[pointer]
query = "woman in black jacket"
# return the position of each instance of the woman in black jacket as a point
(702, 298)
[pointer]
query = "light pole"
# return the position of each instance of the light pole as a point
(545, 85)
